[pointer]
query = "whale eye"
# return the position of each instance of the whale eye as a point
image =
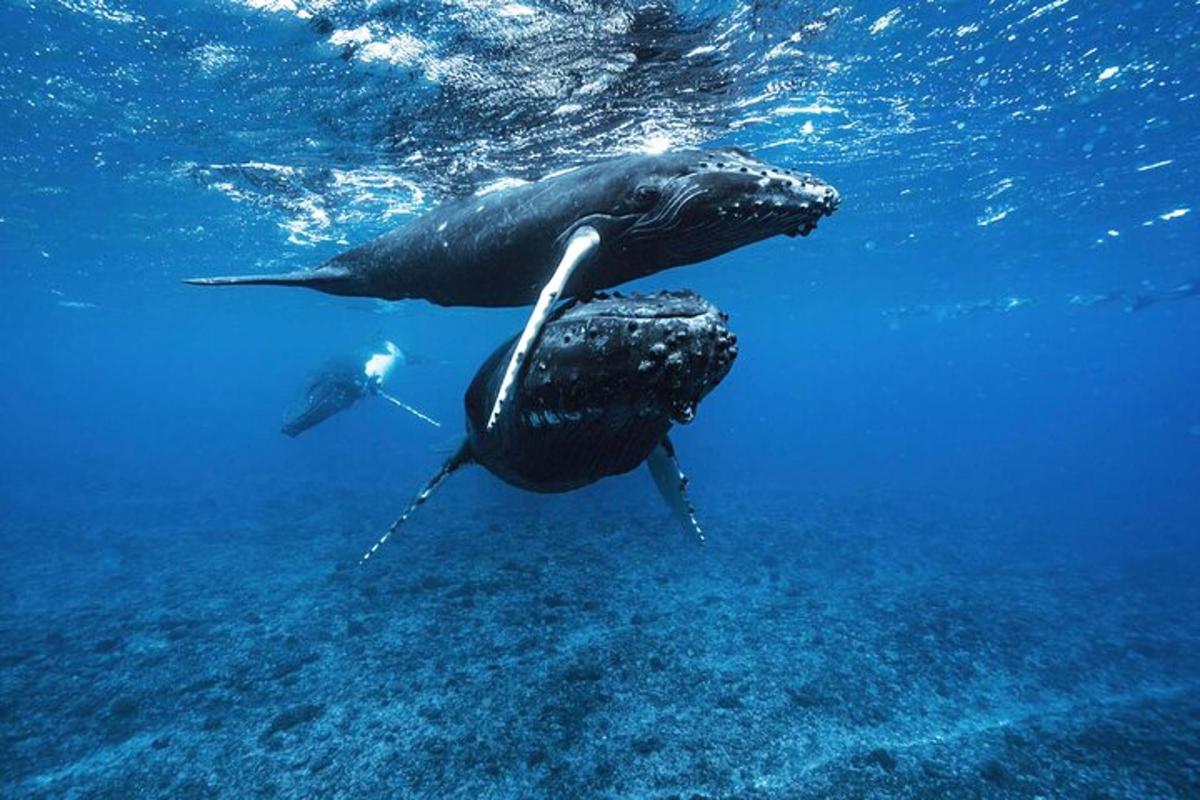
(646, 195)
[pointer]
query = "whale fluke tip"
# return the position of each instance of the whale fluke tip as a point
(331, 279)
(210, 281)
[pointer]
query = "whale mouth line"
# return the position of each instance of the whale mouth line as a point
(636, 307)
(661, 314)
(645, 313)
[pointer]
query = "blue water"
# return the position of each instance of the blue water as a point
(953, 539)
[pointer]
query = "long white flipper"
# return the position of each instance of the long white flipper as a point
(461, 457)
(672, 484)
(408, 408)
(581, 246)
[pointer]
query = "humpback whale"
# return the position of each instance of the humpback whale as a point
(573, 233)
(1145, 299)
(651, 212)
(609, 377)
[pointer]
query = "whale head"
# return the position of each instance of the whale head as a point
(692, 205)
(608, 378)
(617, 357)
(658, 355)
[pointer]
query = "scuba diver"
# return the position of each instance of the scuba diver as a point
(342, 381)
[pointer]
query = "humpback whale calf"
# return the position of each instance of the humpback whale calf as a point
(342, 382)
(573, 233)
(608, 378)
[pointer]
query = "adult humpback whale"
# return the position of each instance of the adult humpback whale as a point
(651, 212)
(573, 233)
(609, 378)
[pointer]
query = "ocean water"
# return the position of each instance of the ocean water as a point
(951, 487)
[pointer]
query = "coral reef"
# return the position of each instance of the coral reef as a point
(512, 648)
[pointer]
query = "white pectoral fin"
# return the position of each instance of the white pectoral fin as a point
(461, 456)
(672, 484)
(580, 247)
(408, 408)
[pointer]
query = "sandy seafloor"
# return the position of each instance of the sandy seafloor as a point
(580, 646)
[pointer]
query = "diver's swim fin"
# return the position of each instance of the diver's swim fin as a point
(460, 458)
(330, 279)
(672, 484)
(408, 408)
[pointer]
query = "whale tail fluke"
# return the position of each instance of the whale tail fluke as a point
(415, 412)
(329, 279)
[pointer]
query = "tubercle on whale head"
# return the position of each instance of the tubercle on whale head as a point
(682, 346)
(654, 356)
(712, 356)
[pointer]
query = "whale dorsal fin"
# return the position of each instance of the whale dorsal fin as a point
(580, 247)
(672, 484)
(460, 458)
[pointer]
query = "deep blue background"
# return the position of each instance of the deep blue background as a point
(982, 151)
(1086, 416)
